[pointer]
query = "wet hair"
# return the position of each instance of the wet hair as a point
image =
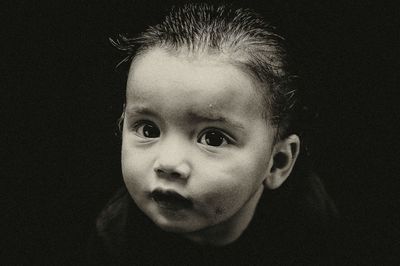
(241, 35)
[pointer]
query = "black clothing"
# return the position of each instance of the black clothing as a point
(126, 236)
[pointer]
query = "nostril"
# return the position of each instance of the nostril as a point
(181, 171)
(175, 175)
(171, 174)
(159, 171)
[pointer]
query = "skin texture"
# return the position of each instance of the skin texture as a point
(183, 102)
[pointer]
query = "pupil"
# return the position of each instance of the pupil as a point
(214, 139)
(150, 131)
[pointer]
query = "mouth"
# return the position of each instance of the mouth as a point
(171, 200)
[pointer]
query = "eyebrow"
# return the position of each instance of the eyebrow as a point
(212, 116)
(194, 116)
(139, 109)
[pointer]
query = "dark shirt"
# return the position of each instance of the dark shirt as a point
(125, 235)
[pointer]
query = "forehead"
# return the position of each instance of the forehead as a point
(202, 82)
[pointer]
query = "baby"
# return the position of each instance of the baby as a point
(208, 148)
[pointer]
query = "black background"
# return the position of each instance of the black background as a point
(62, 98)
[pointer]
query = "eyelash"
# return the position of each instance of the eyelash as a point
(226, 139)
(219, 135)
(136, 127)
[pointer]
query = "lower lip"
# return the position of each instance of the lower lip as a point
(172, 205)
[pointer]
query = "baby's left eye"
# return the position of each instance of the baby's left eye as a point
(214, 137)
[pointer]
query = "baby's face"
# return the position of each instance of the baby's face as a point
(195, 147)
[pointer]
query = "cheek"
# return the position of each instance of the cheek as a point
(135, 164)
(224, 192)
(228, 186)
(224, 201)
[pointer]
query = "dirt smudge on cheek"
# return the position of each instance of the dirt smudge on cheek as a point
(219, 211)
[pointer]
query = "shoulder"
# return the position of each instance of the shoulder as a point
(114, 214)
(112, 223)
(305, 219)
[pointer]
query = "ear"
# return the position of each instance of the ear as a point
(282, 160)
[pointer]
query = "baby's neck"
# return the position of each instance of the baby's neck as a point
(227, 232)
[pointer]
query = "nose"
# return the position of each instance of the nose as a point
(172, 160)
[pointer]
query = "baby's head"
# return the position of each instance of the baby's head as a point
(207, 120)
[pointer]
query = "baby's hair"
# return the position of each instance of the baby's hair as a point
(241, 36)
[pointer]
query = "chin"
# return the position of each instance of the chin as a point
(174, 225)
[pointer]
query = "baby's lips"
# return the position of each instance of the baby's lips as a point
(170, 199)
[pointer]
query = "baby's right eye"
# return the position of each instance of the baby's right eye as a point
(214, 137)
(146, 129)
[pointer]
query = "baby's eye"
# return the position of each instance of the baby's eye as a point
(213, 137)
(147, 129)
